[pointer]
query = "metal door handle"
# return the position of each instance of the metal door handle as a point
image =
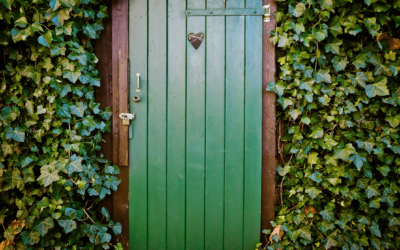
(138, 82)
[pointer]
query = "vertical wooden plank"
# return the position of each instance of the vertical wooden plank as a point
(253, 122)
(103, 51)
(215, 129)
(157, 114)
(123, 105)
(120, 86)
(176, 127)
(234, 142)
(269, 121)
(138, 144)
(195, 133)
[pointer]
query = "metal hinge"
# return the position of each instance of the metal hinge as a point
(267, 13)
(126, 117)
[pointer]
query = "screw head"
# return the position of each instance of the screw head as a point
(211, 12)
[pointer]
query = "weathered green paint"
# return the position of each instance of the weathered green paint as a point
(253, 136)
(195, 152)
(215, 129)
(138, 205)
(195, 132)
(176, 127)
(157, 125)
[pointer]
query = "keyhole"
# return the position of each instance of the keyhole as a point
(136, 98)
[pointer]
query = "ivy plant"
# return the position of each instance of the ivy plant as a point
(338, 107)
(51, 174)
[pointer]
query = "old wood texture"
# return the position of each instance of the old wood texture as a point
(103, 93)
(120, 50)
(269, 124)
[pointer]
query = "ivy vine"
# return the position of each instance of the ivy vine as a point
(338, 112)
(51, 175)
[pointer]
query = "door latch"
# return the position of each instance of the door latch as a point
(126, 117)
(267, 13)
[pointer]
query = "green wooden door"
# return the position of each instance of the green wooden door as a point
(195, 144)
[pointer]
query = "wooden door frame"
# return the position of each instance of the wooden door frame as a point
(112, 50)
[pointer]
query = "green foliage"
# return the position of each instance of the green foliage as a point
(338, 103)
(51, 177)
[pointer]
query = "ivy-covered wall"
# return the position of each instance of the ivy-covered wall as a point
(51, 175)
(338, 109)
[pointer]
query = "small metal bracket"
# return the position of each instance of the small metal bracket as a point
(138, 82)
(267, 13)
(126, 117)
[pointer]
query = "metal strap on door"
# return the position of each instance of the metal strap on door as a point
(264, 11)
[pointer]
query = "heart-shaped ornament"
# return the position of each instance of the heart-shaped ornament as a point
(196, 40)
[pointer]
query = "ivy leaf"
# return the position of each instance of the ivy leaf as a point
(368, 145)
(8, 3)
(375, 242)
(6, 149)
(26, 161)
(297, 11)
(377, 89)
(316, 176)
(8, 113)
(63, 111)
(305, 232)
(316, 132)
(48, 175)
(394, 121)
(319, 34)
(284, 40)
(45, 39)
(339, 63)
(71, 213)
(36, 27)
(360, 79)
(54, 4)
(390, 199)
(359, 158)
(72, 76)
(30, 238)
(328, 214)
(278, 88)
(9, 233)
(75, 165)
(106, 114)
(393, 221)
(67, 224)
(332, 45)
(373, 189)
(285, 102)
(330, 242)
(79, 109)
(90, 31)
(313, 192)
(344, 153)
(43, 226)
(294, 113)
(104, 237)
(18, 134)
(82, 58)
(21, 22)
(322, 75)
(325, 226)
(105, 213)
(369, 2)
(117, 228)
